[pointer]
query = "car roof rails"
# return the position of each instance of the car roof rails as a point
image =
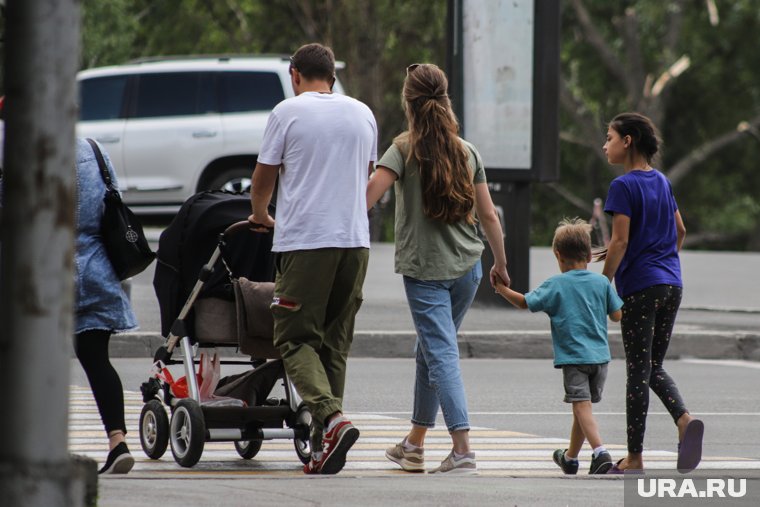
(220, 56)
(339, 64)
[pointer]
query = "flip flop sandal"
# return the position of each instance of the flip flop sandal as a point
(690, 448)
(616, 470)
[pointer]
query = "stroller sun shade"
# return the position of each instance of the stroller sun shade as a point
(188, 243)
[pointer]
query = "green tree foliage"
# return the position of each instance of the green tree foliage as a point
(376, 39)
(691, 65)
(687, 64)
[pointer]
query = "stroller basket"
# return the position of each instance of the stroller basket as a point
(247, 318)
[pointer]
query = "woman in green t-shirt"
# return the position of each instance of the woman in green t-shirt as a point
(440, 186)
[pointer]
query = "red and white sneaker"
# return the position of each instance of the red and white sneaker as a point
(312, 467)
(335, 446)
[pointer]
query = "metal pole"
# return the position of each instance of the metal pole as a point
(36, 282)
(455, 59)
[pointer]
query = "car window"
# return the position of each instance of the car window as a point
(250, 91)
(101, 98)
(174, 94)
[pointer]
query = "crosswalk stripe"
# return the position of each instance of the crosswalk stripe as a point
(499, 452)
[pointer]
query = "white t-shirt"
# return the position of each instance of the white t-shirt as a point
(325, 143)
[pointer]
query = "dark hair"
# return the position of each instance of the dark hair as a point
(572, 239)
(314, 61)
(644, 135)
(448, 193)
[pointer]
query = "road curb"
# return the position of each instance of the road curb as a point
(514, 344)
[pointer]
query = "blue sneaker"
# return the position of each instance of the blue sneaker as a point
(601, 464)
(567, 466)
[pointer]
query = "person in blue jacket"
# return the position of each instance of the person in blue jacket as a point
(102, 307)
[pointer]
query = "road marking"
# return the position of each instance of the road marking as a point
(725, 362)
(567, 413)
(499, 452)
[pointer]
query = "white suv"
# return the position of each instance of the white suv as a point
(173, 127)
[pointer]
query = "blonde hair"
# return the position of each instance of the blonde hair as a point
(448, 193)
(572, 239)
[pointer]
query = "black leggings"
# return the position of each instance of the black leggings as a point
(648, 319)
(91, 348)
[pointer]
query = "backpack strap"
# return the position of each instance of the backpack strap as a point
(101, 164)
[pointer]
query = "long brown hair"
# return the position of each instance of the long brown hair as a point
(448, 194)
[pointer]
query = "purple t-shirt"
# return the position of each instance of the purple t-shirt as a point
(651, 258)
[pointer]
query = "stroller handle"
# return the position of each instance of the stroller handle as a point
(241, 226)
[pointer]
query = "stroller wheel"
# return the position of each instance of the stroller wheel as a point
(247, 449)
(303, 424)
(154, 429)
(187, 432)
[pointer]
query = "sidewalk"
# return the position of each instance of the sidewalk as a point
(719, 316)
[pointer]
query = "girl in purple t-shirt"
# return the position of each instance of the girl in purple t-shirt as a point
(647, 234)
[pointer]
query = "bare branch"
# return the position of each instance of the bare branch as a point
(700, 154)
(574, 139)
(676, 69)
(590, 128)
(608, 57)
(237, 11)
(571, 197)
(636, 80)
(303, 13)
(675, 22)
(712, 10)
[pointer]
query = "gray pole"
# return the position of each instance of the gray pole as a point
(36, 282)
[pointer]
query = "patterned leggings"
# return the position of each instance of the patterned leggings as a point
(648, 318)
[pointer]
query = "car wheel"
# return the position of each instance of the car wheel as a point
(236, 180)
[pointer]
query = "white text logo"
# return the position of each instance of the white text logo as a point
(685, 488)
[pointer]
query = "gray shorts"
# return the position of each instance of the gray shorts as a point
(584, 382)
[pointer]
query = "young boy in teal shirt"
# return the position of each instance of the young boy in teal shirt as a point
(577, 302)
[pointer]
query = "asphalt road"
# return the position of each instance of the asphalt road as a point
(514, 395)
(720, 294)
(719, 317)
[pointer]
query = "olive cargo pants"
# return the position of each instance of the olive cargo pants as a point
(317, 294)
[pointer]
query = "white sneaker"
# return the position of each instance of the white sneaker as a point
(457, 466)
(410, 460)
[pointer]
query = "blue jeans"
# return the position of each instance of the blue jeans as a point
(438, 308)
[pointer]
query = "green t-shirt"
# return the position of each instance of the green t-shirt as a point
(428, 249)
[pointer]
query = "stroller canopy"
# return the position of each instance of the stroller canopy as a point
(188, 243)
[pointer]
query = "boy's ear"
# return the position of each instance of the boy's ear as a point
(589, 257)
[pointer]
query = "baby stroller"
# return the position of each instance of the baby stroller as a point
(205, 305)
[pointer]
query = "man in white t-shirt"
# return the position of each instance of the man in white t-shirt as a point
(323, 146)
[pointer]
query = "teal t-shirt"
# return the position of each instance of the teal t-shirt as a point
(429, 249)
(577, 303)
